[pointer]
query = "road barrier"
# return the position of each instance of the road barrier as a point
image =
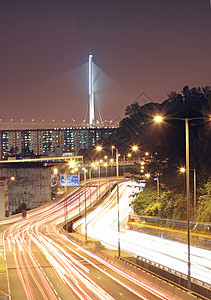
(197, 287)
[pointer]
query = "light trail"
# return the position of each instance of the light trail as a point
(71, 272)
(102, 226)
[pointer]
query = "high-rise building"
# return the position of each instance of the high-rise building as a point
(44, 141)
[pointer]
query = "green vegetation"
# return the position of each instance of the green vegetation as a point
(172, 203)
(166, 144)
(204, 203)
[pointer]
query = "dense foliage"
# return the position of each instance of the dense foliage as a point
(166, 143)
(172, 203)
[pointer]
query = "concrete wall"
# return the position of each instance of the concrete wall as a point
(31, 186)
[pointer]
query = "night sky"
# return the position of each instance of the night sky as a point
(151, 46)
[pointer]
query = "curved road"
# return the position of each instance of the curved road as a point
(42, 263)
(102, 226)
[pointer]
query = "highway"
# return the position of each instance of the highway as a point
(43, 263)
(102, 226)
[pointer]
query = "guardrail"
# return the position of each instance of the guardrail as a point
(197, 287)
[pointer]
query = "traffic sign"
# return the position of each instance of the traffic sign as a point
(69, 180)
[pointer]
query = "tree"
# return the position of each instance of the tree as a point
(204, 203)
(132, 109)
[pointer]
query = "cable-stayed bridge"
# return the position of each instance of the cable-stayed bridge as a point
(64, 101)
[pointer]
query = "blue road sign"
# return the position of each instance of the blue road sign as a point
(72, 180)
(69, 180)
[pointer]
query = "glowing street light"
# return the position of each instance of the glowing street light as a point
(187, 169)
(55, 171)
(112, 151)
(147, 175)
(158, 119)
(135, 148)
(98, 148)
(117, 185)
(111, 161)
(72, 164)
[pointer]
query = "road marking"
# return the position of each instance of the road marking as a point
(55, 292)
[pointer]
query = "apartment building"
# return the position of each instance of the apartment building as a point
(44, 141)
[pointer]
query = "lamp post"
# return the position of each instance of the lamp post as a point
(117, 180)
(111, 161)
(112, 151)
(182, 170)
(135, 148)
(105, 165)
(188, 194)
(84, 169)
(99, 148)
(158, 189)
(187, 147)
(159, 119)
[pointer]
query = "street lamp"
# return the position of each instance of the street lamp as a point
(135, 148)
(84, 169)
(99, 148)
(159, 119)
(105, 165)
(117, 180)
(112, 151)
(111, 161)
(71, 164)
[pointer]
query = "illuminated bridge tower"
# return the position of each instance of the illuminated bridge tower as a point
(91, 93)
